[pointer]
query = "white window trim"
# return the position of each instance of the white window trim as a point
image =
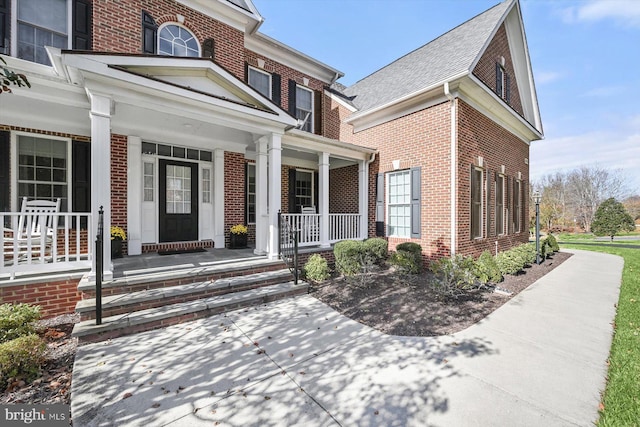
(251, 165)
(14, 27)
(504, 229)
(388, 202)
(177, 24)
(258, 70)
(313, 186)
(518, 206)
(482, 204)
(13, 191)
(312, 116)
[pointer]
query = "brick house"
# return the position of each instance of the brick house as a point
(181, 119)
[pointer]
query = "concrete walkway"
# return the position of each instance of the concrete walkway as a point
(538, 360)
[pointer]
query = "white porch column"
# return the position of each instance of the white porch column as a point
(218, 198)
(363, 198)
(134, 195)
(262, 202)
(323, 198)
(100, 116)
(275, 190)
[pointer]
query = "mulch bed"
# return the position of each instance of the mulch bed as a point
(405, 305)
(387, 301)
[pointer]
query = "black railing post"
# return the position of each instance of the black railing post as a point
(280, 233)
(296, 272)
(99, 265)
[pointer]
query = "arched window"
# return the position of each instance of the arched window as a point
(177, 41)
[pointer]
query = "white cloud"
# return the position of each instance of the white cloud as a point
(626, 12)
(609, 149)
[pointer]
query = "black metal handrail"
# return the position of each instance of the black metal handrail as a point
(288, 245)
(99, 265)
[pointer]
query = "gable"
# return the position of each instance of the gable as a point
(496, 54)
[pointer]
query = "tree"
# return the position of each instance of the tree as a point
(611, 218)
(632, 205)
(9, 77)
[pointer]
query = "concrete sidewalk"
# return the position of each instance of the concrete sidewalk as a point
(538, 360)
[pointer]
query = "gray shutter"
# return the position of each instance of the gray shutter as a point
(208, 48)
(488, 204)
(5, 16)
(292, 97)
(81, 26)
(507, 89)
(524, 224)
(380, 227)
(317, 112)
(416, 199)
(276, 92)
(498, 80)
(292, 190)
(246, 72)
(149, 33)
(5, 179)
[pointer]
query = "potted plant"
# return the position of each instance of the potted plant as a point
(238, 237)
(117, 237)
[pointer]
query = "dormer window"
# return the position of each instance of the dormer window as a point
(175, 40)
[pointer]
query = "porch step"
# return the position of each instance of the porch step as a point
(157, 317)
(156, 297)
(176, 276)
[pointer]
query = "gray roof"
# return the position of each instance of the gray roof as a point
(241, 4)
(447, 56)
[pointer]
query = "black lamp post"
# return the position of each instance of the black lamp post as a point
(537, 197)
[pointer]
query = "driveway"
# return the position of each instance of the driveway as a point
(538, 360)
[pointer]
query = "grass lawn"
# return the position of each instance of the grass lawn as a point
(621, 402)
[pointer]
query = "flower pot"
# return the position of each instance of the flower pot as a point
(116, 248)
(237, 241)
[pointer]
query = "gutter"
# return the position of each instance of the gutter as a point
(453, 217)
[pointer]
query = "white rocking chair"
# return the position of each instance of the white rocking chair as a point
(34, 238)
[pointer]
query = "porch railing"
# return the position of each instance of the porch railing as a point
(341, 227)
(288, 245)
(68, 247)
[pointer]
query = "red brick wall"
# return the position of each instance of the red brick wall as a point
(124, 19)
(485, 70)
(234, 190)
(480, 136)
(343, 190)
(335, 127)
(119, 183)
(420, 139)
(54, 298)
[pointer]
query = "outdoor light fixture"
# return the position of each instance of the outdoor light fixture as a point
(537, 197)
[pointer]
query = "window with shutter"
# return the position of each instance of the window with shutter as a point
(476, 202)
(149, 33)
(5, 15)
(81, 34)
(260, 81)
(499, 204)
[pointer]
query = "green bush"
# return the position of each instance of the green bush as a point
(553, 242)
(21, 358)
(377, 248)
(17, 320)
(454, 274)
(486, 269)
(509, 262)
(408, 257)
(527, 253)
(316, 268)
(349, 256)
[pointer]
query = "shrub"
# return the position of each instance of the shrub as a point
(454, 275)
(408, 257)
(553, 242)
(316, 268)
(349, 256)
(486, 269)
(377, 248)
(509, 262)
(17, 320)
(526, 252)
(21, 358)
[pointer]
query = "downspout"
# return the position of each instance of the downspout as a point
(453, 215)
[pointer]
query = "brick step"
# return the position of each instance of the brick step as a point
(177, 277)
(149, 298)
(153, 318)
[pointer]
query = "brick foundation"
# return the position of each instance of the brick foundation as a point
(54, 298)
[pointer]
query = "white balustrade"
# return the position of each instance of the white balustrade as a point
(341, 227)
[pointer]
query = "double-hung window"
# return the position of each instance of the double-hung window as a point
(304, 107)
(399, 204)
(499, 204)
(38, 24)
(476, 203)
(43, 169)
(517, 205)
(251, 193)
(304, 189)
(260, 81)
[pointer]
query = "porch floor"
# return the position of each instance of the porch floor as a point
(153, 262)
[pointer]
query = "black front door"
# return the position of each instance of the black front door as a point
(178, 201)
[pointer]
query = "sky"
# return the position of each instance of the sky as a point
(585, 56)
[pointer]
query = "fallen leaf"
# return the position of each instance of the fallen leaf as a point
(267, 398)
(601, 407)
(376, 412)
(261, 351)
(127, 395)
(155, 405)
